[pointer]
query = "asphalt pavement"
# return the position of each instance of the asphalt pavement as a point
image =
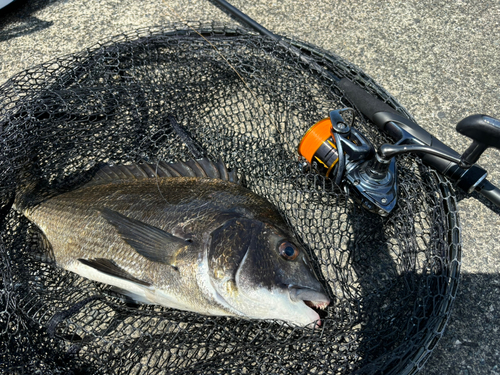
(439, 59)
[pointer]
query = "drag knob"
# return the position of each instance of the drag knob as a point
(484, 131)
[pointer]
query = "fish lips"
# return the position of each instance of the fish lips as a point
(310, 297)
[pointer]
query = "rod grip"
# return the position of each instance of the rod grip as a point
(365, 102)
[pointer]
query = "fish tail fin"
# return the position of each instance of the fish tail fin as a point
(32, 187)
(30, 191)
(40, 247)
(24, 196)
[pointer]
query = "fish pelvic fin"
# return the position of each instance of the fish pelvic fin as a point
(150, 242)
(130, 297)
(203, 167)
(109, 267)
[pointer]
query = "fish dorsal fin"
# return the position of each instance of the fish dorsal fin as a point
(109, 267)
(191, 168)
(151, 242)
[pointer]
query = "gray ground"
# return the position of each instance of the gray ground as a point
(441, 60)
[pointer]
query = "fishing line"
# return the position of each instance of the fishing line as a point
(174, 13)
(157, 180)
(245, 83)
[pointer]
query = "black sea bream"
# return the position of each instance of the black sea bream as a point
(185, 236)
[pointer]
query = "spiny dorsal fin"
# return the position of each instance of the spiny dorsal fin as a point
(109, 267)
(191, 168)
(151, 242)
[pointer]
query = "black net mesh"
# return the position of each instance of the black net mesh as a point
(392, 280)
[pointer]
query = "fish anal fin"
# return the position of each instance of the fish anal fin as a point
(150, 242)
(109, 267)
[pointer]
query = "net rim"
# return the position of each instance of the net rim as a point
(416, 361)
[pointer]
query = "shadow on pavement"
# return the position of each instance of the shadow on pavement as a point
(471, 343)
(16, 18)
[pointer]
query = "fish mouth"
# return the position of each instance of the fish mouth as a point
(316, 301)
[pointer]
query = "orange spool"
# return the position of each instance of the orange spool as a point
(317, 145)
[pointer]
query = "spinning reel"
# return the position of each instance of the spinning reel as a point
(338, 151)
(344, 155)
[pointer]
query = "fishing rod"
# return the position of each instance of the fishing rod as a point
(333, 147)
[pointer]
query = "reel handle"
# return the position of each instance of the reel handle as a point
(484, 131)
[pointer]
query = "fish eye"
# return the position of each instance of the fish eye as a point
(288, 250)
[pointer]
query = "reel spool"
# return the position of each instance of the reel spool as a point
(319, 148)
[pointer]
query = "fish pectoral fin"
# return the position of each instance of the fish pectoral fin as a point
(109, 267)
(151, 242)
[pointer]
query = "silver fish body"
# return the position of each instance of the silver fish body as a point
(188, 242)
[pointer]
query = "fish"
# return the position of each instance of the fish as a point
(184, 235)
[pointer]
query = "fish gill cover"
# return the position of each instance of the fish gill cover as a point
(391, 281)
